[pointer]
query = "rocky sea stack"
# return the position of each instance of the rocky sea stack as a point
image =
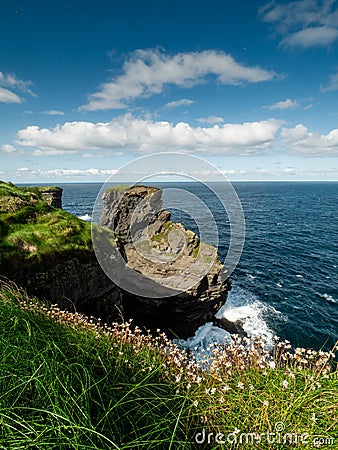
(169, 255)
(50, 253)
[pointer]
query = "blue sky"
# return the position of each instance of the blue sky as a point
(251, 86)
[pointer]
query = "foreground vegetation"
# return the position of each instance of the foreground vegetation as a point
(70, 382)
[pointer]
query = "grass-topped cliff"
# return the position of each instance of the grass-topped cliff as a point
(31, 230)
(68, 382)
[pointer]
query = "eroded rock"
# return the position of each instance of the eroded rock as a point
(168, 255)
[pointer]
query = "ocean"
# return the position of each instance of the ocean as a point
(286, 281)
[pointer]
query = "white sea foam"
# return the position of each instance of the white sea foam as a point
(329, 298)
(205, 336)
(85, 217)
(241, 305)
(251, 277)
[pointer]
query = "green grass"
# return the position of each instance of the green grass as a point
(119, 188)
(67, 382)
(64, 384)
(161, 238)
(31, 230)
(126, 187)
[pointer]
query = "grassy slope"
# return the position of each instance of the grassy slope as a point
(64, 384)
(31, 230)
(68, 383)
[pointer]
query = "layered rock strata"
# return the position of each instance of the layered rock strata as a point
(52, 195)
(168, 255)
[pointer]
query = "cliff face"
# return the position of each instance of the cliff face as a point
(74, 283)
(49, 252)
(52, 195)
(169, 255)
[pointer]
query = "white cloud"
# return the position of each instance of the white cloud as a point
(92, 155)
(233, 172)
(7, 148)
(78, 172)
(286, 104)
(54, 173)
(146, 72)
(311, 37)
(53, 112)
(333, 84)
(12, 82)
(303, 23)
(182, 102)
(211, 120)
(289, 170)
(302, 141)
(144, 136)
(7, 96)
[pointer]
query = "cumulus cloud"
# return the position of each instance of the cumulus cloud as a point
(302, 141)
(53, 112)
(146, 72)
(13, 83)
(144, 136)
(211, 119)
(285, 104)
(304, 23)
(177, 103)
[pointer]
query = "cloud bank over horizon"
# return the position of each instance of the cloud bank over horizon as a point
(145, 135)
(141, 136)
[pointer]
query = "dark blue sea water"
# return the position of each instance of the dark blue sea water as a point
(286, 282)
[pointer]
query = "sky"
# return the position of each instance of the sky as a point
(250, 86)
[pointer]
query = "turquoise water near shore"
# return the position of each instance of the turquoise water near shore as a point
(286, 282)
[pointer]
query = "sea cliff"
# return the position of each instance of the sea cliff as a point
(50, 253)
